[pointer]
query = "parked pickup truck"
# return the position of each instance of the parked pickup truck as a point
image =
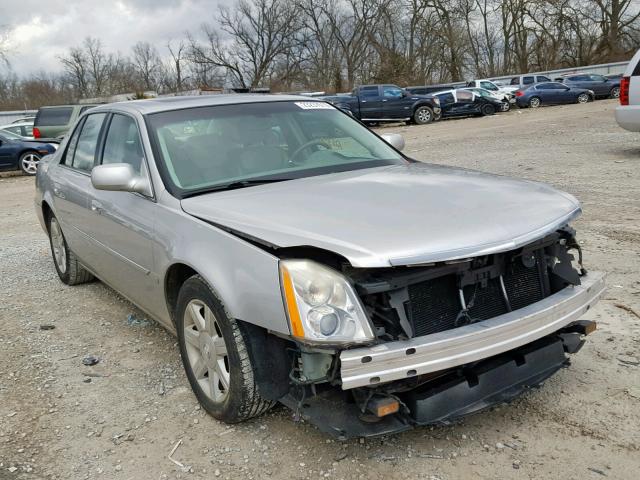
(387, 103)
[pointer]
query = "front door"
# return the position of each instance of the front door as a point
(122, 223)
(370, 103)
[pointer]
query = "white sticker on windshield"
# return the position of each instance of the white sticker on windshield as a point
(314, 105)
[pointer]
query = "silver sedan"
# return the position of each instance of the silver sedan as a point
(300, 258)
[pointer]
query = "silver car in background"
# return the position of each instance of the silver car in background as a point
(302, 259)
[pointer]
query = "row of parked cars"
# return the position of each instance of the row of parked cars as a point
(424, 104)
(26, 140)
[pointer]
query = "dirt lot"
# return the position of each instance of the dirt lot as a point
(122, 417)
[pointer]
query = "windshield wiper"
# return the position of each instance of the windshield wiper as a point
(235, 185)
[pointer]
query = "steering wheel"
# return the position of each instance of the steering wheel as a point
(317, 141)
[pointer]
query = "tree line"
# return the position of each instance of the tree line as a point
(333, 45)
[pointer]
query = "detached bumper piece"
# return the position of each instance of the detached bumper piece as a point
(497, 380)
(455, 394)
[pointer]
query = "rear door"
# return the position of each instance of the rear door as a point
(370, 102)
(121, 224)
(465, 103)
(394, 104)
(71, 179)
(600, 85)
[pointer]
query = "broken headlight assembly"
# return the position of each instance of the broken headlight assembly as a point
(321, 305)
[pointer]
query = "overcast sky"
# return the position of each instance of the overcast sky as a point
(39, 31)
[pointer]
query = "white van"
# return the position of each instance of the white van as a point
(628, 113)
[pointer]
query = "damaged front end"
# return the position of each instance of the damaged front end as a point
(443, 340)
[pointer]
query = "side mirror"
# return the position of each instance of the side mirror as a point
(119, 177)
(394, 139)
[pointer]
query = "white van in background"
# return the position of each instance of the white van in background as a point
(628, 113)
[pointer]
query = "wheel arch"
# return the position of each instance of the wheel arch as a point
(268, 352)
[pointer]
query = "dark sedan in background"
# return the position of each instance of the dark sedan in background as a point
(464, 103)
(602, 87)
(551, 93)
(18, 153)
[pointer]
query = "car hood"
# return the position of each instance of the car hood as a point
(394, 215)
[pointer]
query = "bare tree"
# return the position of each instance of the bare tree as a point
(256, 33)
(147, 64)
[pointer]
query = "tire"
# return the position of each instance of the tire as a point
(615, 92)
(423, 115)
(29, 163)
(215, 356)
(534, 102)
(65, 261)
(487, 110)
(583, 98)
(506, 106)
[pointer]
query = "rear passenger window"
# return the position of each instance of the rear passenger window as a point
(123, 143)
(53, 116)
(369, 92)
(527, 80)
(85, 150)
(542, 78)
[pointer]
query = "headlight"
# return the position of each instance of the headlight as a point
(321, 305)
(436, 100)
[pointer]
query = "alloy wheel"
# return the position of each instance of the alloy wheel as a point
(424, 115)
(534, 102)
(58, 246)
(615, 92)
(29, 163)
(206, 351)
(583, 98)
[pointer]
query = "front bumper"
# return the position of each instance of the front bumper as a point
(431, 353)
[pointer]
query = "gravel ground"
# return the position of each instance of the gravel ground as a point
(122, 417)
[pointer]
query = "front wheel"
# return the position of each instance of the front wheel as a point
(29, 163)
(583, 98)
(615, 92)
(215, 356)
(423, 115)
(506, 106)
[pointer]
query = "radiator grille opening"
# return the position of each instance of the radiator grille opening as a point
(435, 306)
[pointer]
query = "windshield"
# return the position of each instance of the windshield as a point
(207, 147)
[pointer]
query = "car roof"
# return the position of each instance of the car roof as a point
(165, 104)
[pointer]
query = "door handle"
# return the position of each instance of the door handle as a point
(384, 99)
(363, 101)
(96, 207)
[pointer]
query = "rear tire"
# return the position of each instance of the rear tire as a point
(488, 109)
(534, 102)
(215, 355)
(70, 271)
(584, 98)
(423, 115)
